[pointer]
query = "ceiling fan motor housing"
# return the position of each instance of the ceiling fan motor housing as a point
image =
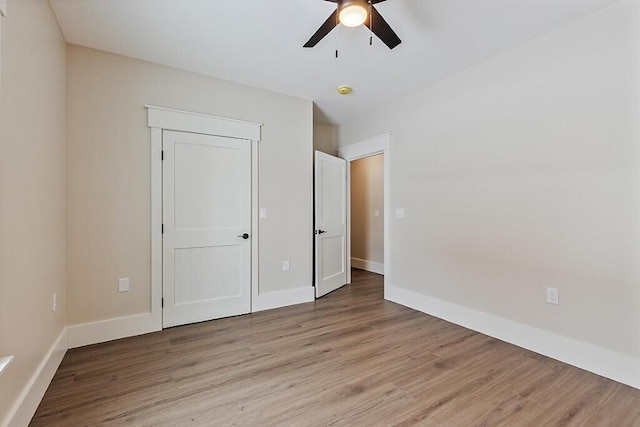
(344, 3)
(352, 13)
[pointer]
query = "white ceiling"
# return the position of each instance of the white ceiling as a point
(259, 42)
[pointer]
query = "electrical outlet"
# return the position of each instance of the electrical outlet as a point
(400, 213)
(123, 285)
(285, 265)
(552, 296)
(54, 302)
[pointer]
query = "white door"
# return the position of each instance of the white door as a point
(331, 224)
(206, 209)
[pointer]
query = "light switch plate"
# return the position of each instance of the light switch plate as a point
(263, 213)
(400, 213)
(123, 285)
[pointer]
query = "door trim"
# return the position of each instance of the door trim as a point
(159, 119)
(370, 147)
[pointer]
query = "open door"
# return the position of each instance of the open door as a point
(330, 222)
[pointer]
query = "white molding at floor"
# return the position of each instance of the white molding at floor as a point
(31, 396)
(363, 264)
(269, 300)
(616, 366)
(5, 362)
(111, 329)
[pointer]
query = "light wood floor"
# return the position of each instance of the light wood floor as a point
(348, 359)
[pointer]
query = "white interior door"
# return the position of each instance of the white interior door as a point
(206, 227)
(331, 223)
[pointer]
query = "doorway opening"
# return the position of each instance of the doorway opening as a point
(333, 261)
(361, 150)
(367, 213)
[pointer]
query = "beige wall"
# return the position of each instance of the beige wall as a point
(325, 138)
(367, 197)
(109, 176)
(523, 172)
(32, 191)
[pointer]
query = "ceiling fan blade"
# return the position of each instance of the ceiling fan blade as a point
(324, 29)
(373, 1)
(381, 29)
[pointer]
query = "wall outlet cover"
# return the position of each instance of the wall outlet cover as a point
(552, 296)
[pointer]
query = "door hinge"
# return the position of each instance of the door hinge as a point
(162, 228)
(162, 155)
(163, 302)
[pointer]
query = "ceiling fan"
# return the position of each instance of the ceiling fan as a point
(353, 13)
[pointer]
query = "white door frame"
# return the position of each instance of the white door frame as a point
(160, 119)
(370, 147)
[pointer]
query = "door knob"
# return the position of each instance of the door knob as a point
(245, 236)
(320, 231)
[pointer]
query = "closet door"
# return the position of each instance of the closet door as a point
(206, 227)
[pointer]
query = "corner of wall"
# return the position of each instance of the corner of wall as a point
(32, 394)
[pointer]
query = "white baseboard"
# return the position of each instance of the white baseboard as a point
(5, 362)
(372, 266)
(138, 324)
(616, 366)
(112, 329)
(26, 405)
(278, 299)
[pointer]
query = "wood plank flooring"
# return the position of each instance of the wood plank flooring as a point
(348, 359)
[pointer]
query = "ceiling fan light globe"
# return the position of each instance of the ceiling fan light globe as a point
(353, 15)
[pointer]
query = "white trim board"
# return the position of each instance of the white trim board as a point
(255, 225)
(187, 121)
(366, 148)
(372, 266)
(5, 362)
(128, 326)
(24, 408)
(616, 366)
(269, 300)
(111, 329)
